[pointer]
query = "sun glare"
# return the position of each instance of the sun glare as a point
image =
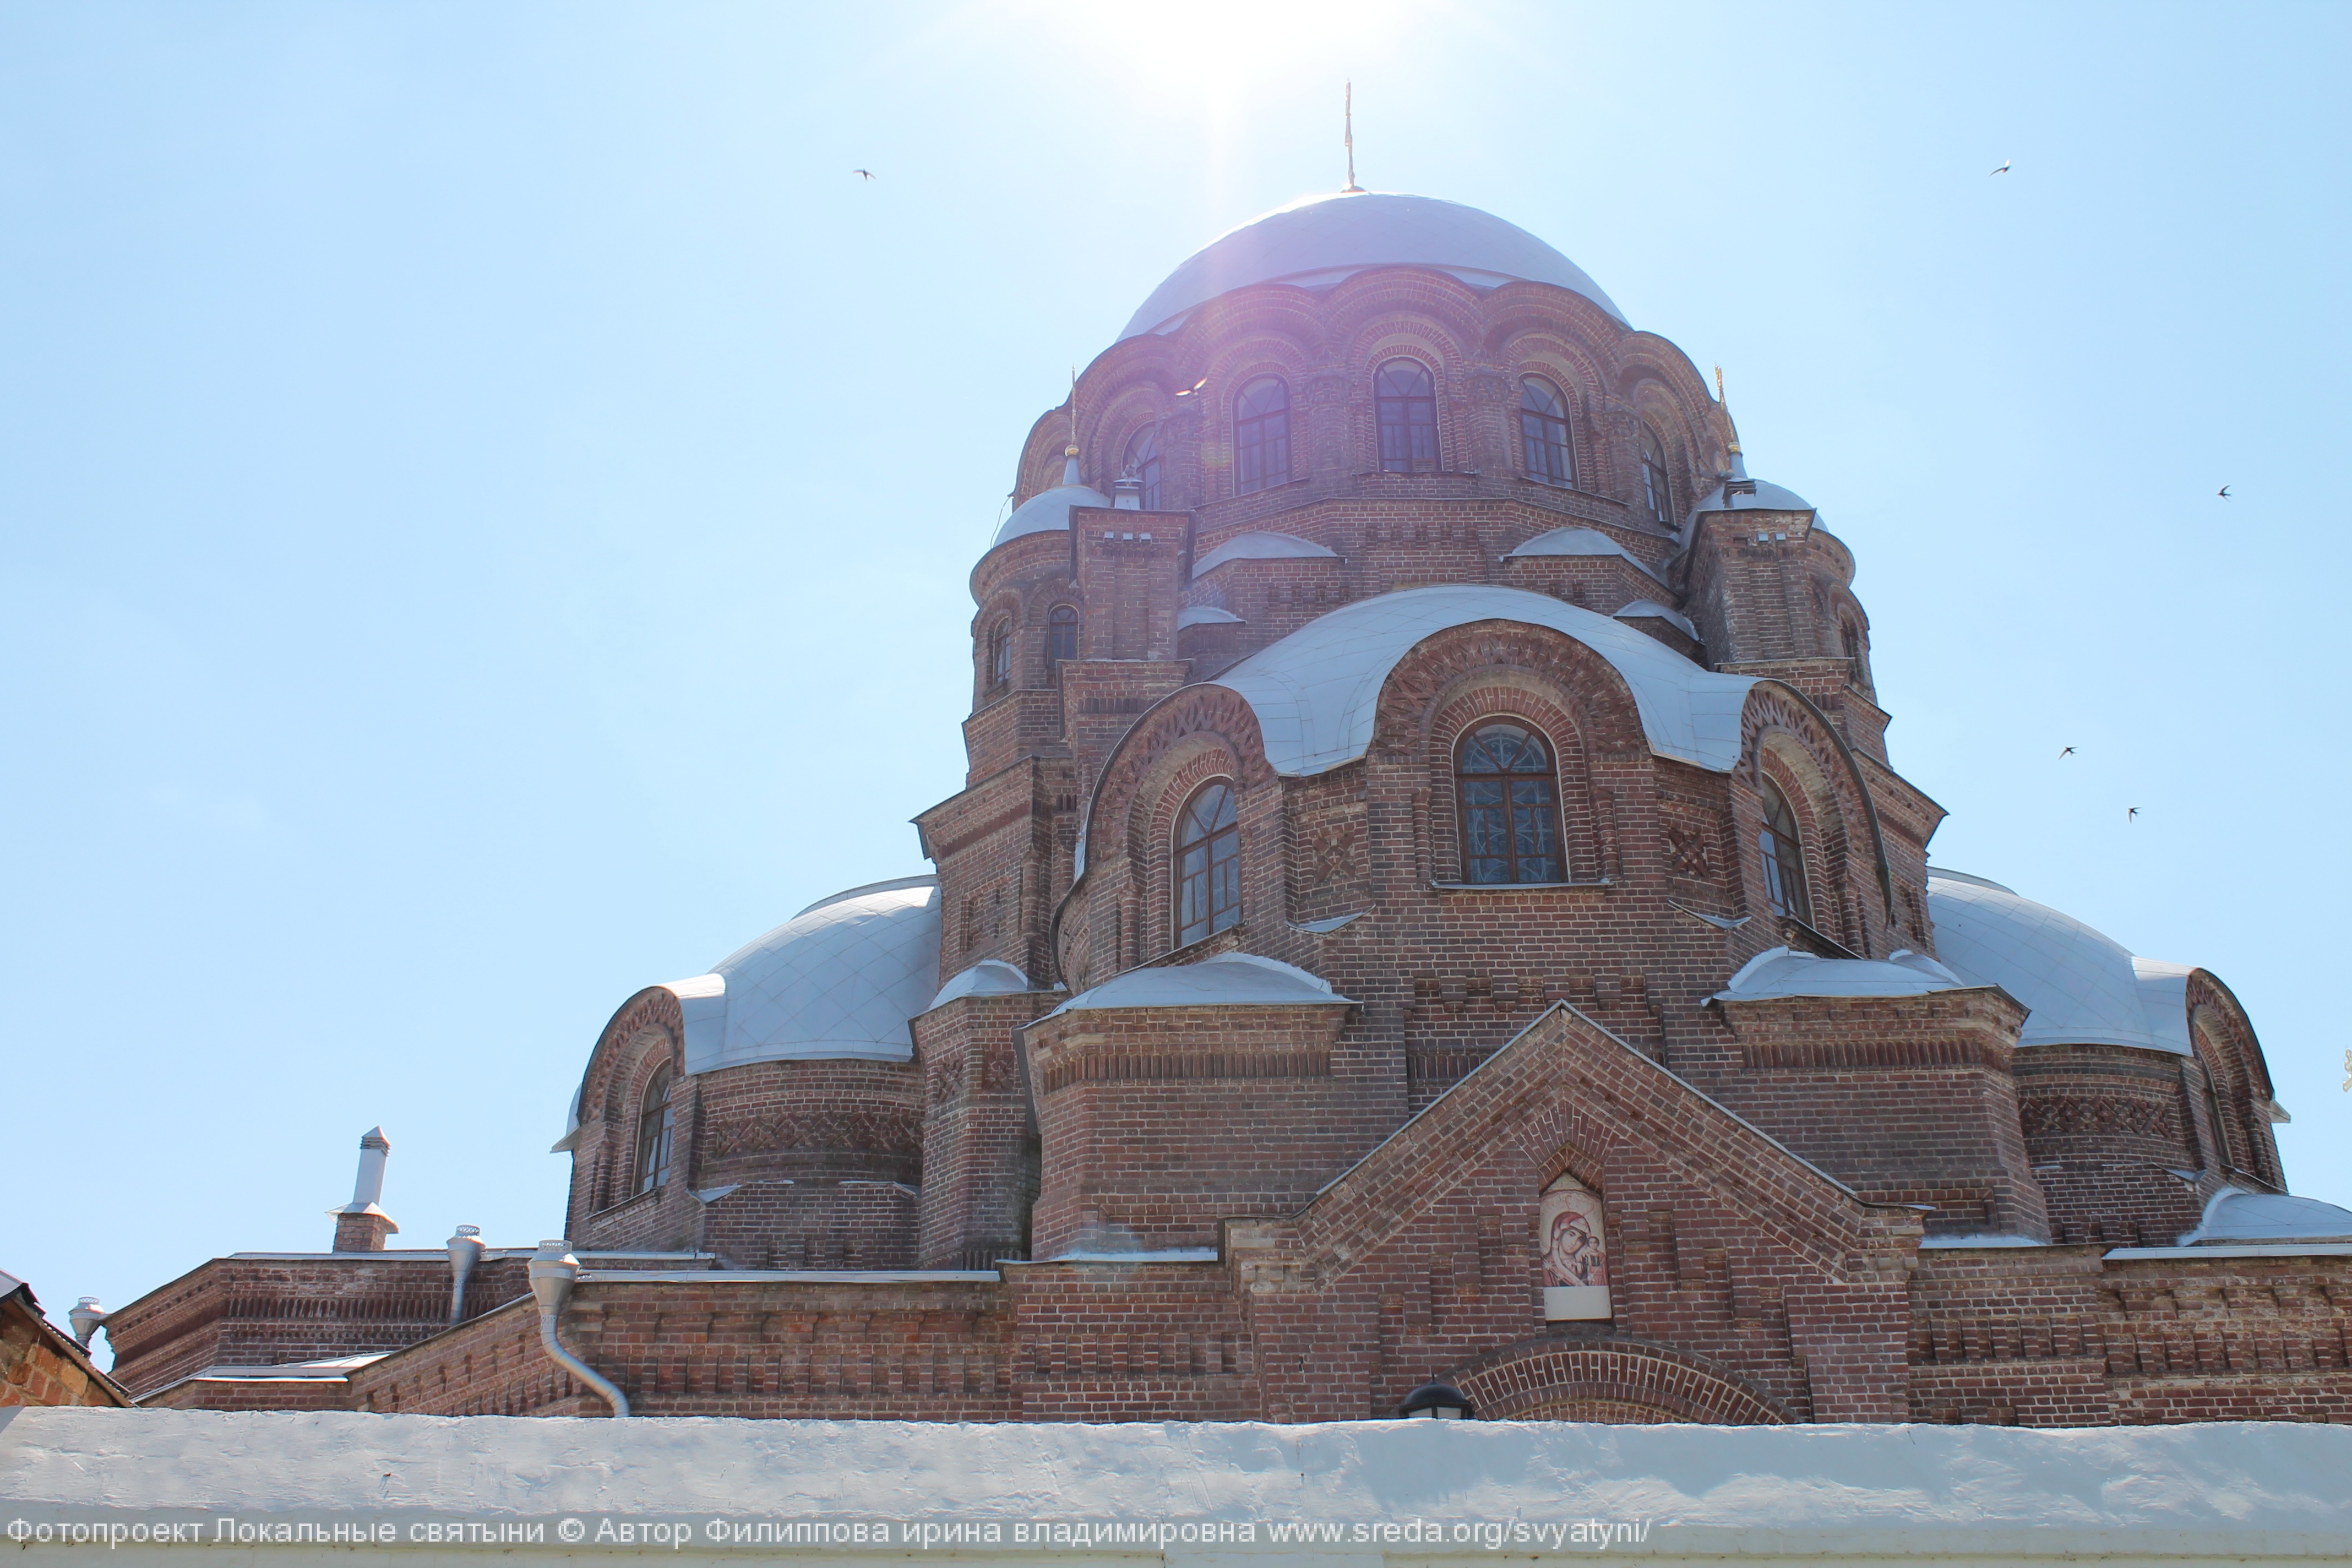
(1219, 49)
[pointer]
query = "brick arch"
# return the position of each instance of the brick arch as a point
(1005, 604)
(1191, 722)
(1362, 310)
(644, 1030)
(1586, 687)
(1152, 835)
(1568, 1141)
(1040, 468)
(1777, 725)
(1563, 1377)
(1239, 364)
(1543, 349)
(1281, 311)
(1133, 407)
(2218, 1022)
(1471, 701)
(1655, 406)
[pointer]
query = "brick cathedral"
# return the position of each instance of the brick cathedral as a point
(1431, 902)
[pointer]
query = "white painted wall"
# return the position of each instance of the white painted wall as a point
(2240, 1492)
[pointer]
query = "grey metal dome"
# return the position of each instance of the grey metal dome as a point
(1321, 239)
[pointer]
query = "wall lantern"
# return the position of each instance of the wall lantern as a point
(1438, 1401)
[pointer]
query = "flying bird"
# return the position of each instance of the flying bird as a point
(2224, 492)
(2004, 166)
(863, 173)
(2132, 815)
(2067, 752)
(1195, 387)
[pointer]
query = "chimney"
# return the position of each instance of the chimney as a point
(360, 1226)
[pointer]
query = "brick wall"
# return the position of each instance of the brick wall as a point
(38, 1365)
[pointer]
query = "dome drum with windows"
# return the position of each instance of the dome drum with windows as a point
(1429, 874)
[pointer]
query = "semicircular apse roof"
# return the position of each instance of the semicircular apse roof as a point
(840, 979)
(1321, 239)
(1315, 691)
(2083, 987)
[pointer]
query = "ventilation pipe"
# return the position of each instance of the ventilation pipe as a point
(553, 1272)
(362, 1224)
(465, 1250)
(87, 1318)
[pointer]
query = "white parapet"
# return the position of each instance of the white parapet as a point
(316, 1485)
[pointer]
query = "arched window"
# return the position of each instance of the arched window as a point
(1543, 434)
(1061, 635)
(1208, 864)
(1850, 644)
(1510, 807)
(1262, 436)
(1784, 858)
(656, 1120)
(1143, 463)
(2223, 1155)
(1656, 494)
(1000, 652)
(1406, 400)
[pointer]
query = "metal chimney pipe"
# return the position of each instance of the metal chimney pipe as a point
(369, 1188)
(465, 1250)
(553, 1272)
(87, 1318)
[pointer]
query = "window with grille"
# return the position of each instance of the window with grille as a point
(657, 1119)
(1784, 858)
(1655, 495)
(1543, 434)
(1262, 436)
(1000, 653)
(1208, 864)
(1405, 400)
(1509, 800)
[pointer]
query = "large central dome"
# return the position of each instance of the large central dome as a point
(1321, 239)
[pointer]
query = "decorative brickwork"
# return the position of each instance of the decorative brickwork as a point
(1853, 1198)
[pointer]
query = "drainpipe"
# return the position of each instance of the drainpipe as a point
(553, 1272)
(464, 1251)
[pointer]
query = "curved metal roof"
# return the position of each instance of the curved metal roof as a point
(1047, 510)
(1321, 239)
(1315, 690)
(840, 979)
(2085, 987)
(1263, 546)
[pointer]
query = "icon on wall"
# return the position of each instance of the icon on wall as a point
(1575, 1253)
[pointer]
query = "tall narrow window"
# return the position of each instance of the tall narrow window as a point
(1510, 807)
(1208, 864)
(1000, 653)
(2223, 1158)
(1406, 400)
(1656, 494)
(656, 1119)
(1262, 436)
(1543, 434)
(1784, 858)
(1061, 635)
(1143, 463)
(1850, 644)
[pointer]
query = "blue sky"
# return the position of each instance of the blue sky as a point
(486, 494)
